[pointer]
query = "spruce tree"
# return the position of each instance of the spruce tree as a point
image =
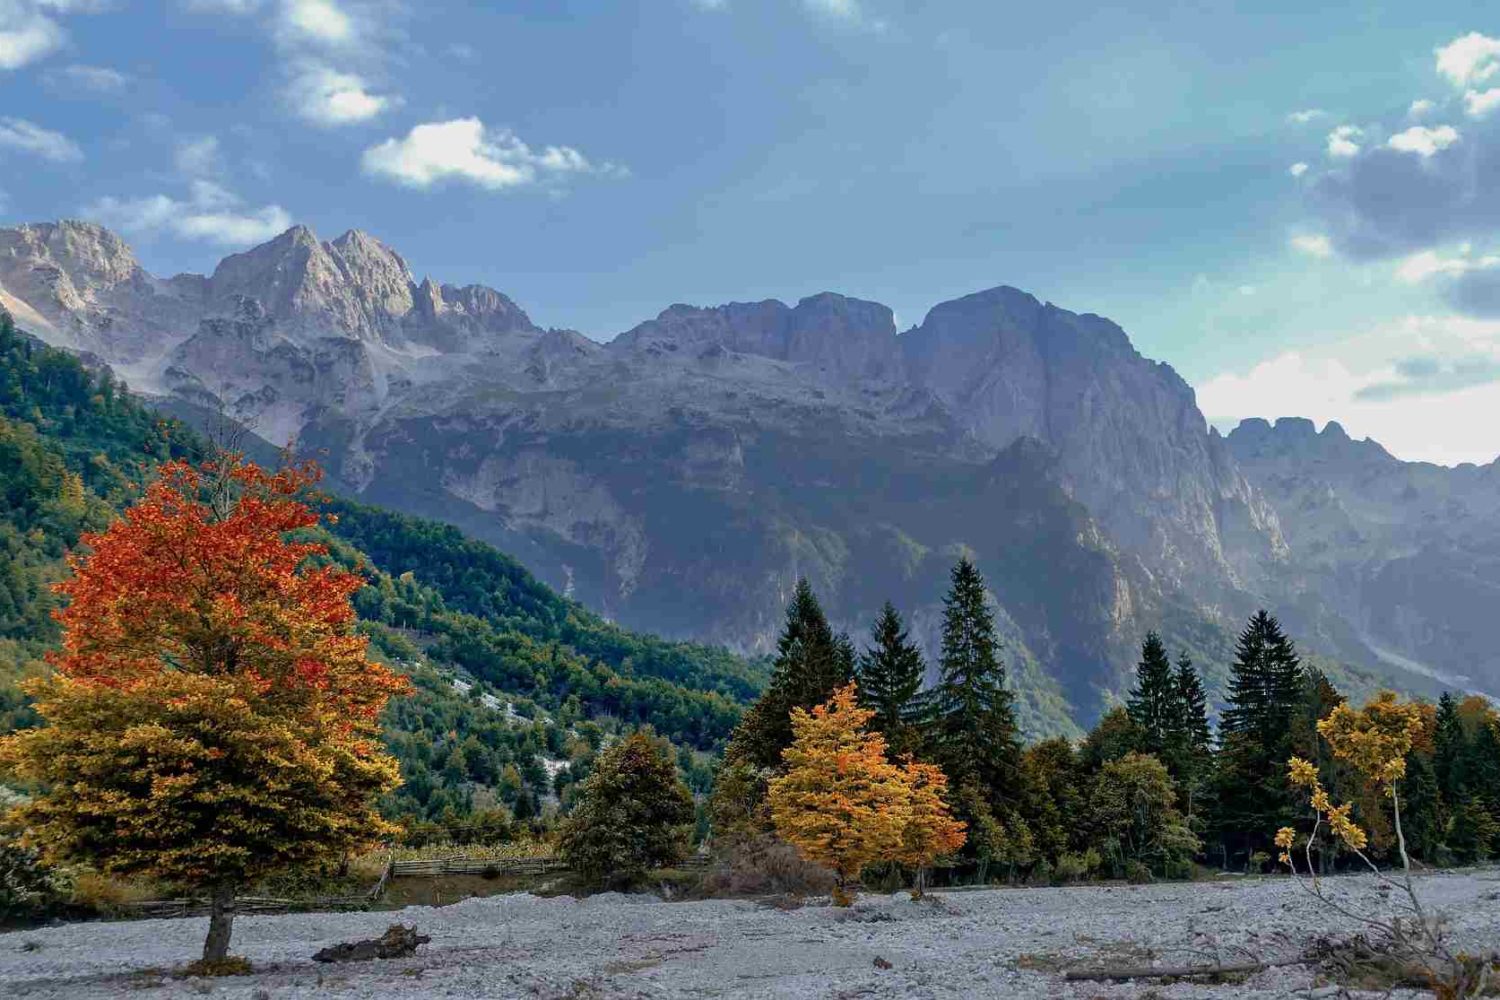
(1449, 750)
(811, 663)
(973, 731)
(1154, 703)
(1265, 689)
(1195, 733)
(1189, 753)
(890, 681)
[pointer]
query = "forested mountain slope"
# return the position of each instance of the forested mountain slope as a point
(511, 680)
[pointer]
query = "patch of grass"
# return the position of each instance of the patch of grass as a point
(206, 968)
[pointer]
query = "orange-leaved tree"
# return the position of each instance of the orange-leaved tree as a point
(213, 715)
(930, 831)
(841, 802)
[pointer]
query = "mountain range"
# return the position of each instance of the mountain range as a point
(680, 477)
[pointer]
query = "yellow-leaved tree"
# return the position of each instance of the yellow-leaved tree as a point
(844, 805)
(1374, 741)
(213, 716)
(930, 831)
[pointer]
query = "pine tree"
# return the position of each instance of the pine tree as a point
(1265, 689)
(1450, 748)
(973, 732)
(1189, 753)
(811, 663)
(890, 681)
(1196, 735)
(1155, 702)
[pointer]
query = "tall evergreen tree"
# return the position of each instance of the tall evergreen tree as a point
(1155, 702)
(890, 681)
(974, 729)
(1449, 750)
(811, 663)
(1265, 689)
(1189, 753)
(1196, 735)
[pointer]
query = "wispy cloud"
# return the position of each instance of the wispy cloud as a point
(208, 214)
(463, 150)
(93, 79)
(28, 137)
(1312, 244)
(1306, 115)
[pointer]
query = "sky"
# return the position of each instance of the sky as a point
(1295, 205)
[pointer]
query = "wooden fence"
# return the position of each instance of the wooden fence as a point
(424, 868)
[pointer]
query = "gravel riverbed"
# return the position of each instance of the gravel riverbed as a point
(983, 943)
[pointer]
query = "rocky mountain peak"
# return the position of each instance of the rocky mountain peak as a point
(80, 249)
(1298, 440)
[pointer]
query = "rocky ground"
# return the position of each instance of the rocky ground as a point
(987, 943)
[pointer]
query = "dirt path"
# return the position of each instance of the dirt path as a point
(990, 943)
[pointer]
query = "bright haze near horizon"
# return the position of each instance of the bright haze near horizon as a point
(1295, 205)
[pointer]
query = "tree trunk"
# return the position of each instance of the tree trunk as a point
(220, 923)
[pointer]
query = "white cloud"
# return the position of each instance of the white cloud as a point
(1419, 108)
(711, 4)
(324, 96)
(28, 32)
(28, 137)
(97, 79)
(1426, 264)
(464, 150)
(1470, 59)
(1424, 141)
(1305, 115)
(1297, 169)
(1247, 290)
(320, 21)
(1479, 103)
(1312, 244)
(209, 214)
(1341, 144)
(1425, 387)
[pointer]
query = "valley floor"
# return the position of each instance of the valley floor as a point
(984, 943)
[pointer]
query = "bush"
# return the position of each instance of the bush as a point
(1076, 867)
(762, 865)
(107, 895)
(29, 888)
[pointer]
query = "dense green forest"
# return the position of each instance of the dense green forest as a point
(514, 687)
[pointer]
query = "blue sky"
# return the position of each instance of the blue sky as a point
(599, 161)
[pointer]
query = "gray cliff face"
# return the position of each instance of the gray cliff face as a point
(1407, 552)
(682, 476)
(1133, 444)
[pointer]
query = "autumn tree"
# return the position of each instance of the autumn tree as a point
(841, 803)
(812, 661)
(930, 831)
(633, 814)
(213, 715)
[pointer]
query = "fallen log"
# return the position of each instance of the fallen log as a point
(396, 942)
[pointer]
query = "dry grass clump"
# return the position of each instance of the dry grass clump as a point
(763, 865)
